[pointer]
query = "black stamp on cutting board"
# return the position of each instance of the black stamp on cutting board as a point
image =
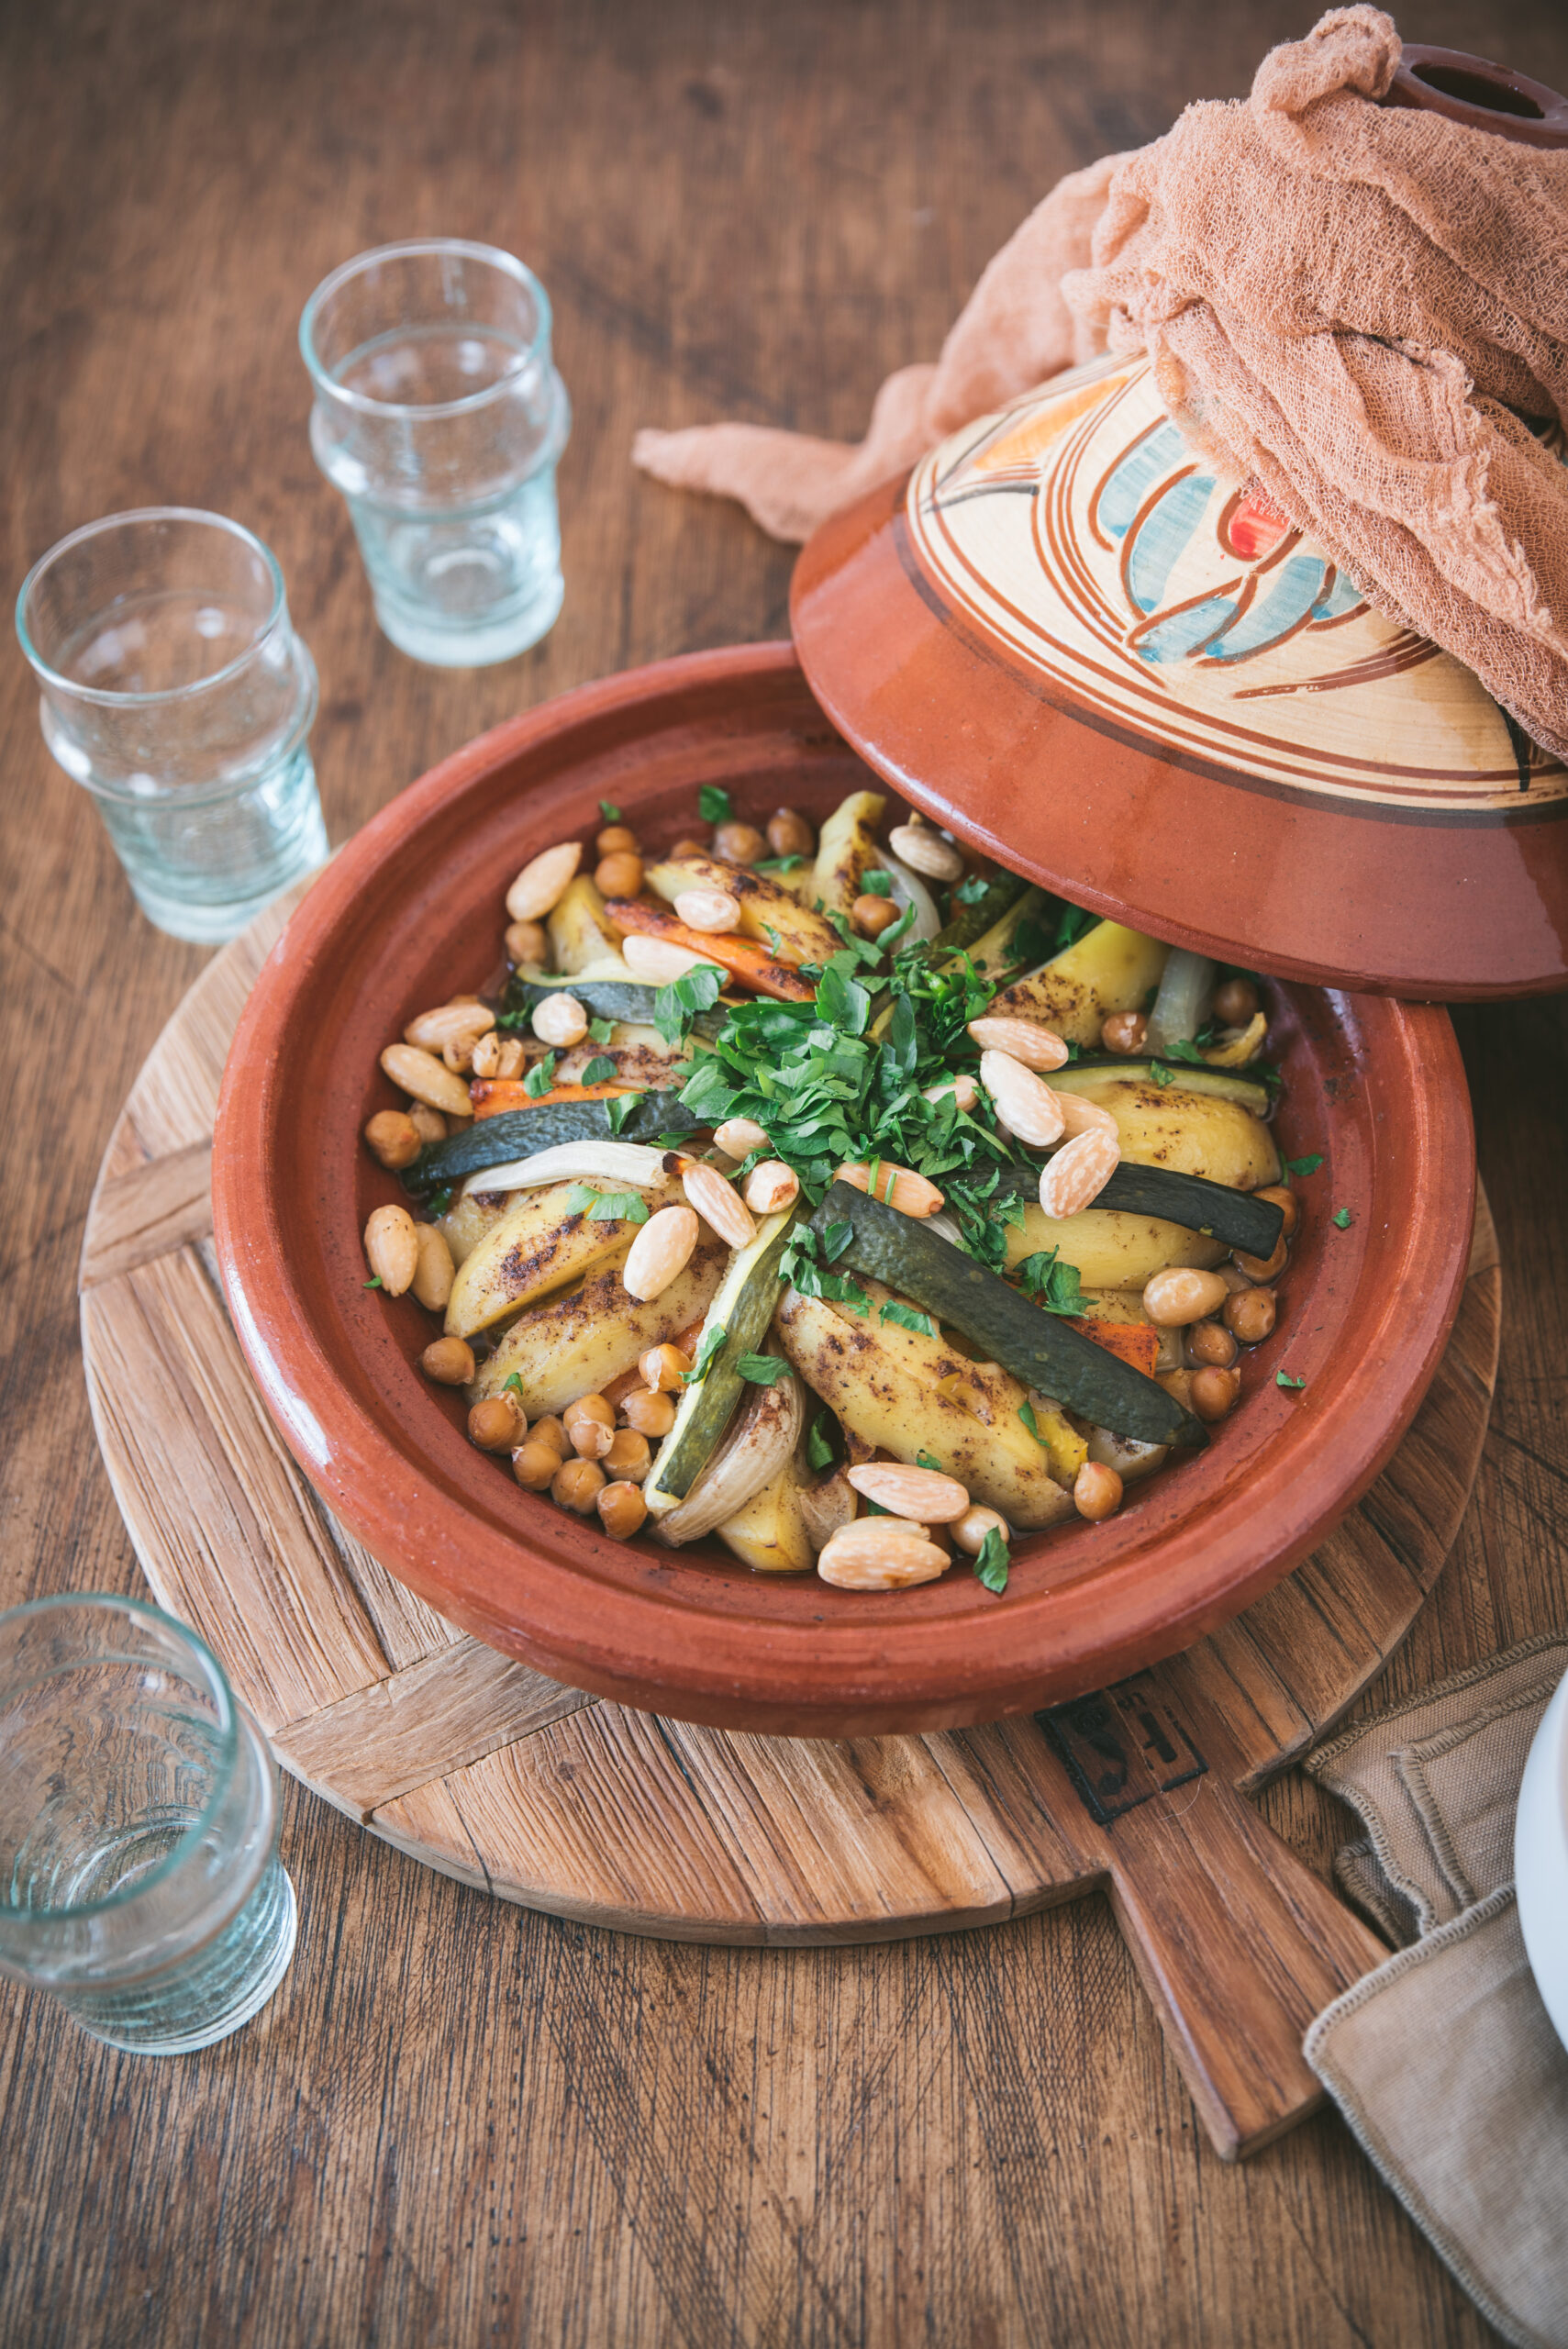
(1122, 1746)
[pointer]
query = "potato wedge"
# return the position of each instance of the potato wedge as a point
(580, 1341)
(803, 936)
(846, 850)
(1193, 1133)
(580, 933)
(538, 1245)
(769, 1534)
(1110, 1249)
(1108, 969)
(886, 1386)
(639, 1056)
(471, 1215)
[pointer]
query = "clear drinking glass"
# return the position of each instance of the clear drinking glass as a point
(139, 1816)
(176, 690)
(441, 416)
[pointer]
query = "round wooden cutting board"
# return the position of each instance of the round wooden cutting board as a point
(483, 1769)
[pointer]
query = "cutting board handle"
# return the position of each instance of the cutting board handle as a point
(1238, 1944)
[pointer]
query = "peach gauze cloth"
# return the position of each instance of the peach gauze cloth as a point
(1343, 304)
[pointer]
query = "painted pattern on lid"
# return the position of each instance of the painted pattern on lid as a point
(1081, 530)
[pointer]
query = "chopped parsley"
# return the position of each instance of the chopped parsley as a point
(606, 1207)
(1307, 1165)
(1026, 1413)
(513, 1383)
(541, 1077)
(439, 1202)
(970, 891)
(991, 1566)
(617, 1110)
(675, 1006)
(1343, 1218)
(374, 1281)
(761, 1370)
(820, 1451)
(1051, 1282)
(779, 865)
(598, 1071)
(877, 885)
(907, 1318)
(712, 805)
(1283, 1378)
(609, 812)
(601, 1030)
(925, 1460)
(706, 1353)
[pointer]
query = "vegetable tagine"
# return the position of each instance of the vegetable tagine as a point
(844, 1197)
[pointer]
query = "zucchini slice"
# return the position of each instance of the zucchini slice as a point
(742, 1309)
(1037, 1347)
(971, 923)
(621, 999)
(1235, 1218)
(1079, 1077)
(518, 1133)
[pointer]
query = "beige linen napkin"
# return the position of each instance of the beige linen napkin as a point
(1362, 309)
(1443, 2061)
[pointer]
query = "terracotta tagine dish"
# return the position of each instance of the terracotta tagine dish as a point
(1072, 641)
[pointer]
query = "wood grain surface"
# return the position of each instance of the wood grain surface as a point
(475, 1765)
(459, 2122)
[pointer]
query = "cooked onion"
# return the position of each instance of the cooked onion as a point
(761, 1437)
(909, 889)
(575, 1162)
(1186, 991)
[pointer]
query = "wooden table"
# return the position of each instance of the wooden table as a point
(458, 2122)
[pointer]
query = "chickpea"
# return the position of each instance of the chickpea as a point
(1285, 1198)
(651, 1415)
(629, 1457)
(620, 875)
(1250, 1314)
(1236, 1003)
(429, 1124)
(789, 834)
(622, 1510)
(1214, 1392)
(1210, 1344)
(550, 1430)
(560, 1020)
(497, 1424)
(687, 847)
(1125, 1032)
(534, 1465)
(577, 1484)
(393, 1138)
(871, 915)
(615, 840)
(526, 943)
(449, 1361)
(1097, 1491)
(590, 1425)
(1263, 1268)
(739, 843)
(664, 1368)
(972, 1527)
(1177, 1295)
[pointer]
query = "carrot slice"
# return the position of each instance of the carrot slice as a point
(1130, 1341)
(750, 963)
(491, 1095)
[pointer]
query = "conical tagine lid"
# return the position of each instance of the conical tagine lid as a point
(1073, 642)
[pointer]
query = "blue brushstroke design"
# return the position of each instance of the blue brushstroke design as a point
(1185, 634)
(1163, 537)
(1130, 483)
(1293, 597)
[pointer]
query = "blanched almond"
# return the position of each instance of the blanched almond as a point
(926, 851)
(718, 1205)
(544, 882)
(890, 1561)
(1028, 1040)
(738, 1137)
(1079, 1172)
(434, 1273)
(923, 1494)
(771, 1185)
(391, 1248)
(658, 960)
(559, 1019)
(421, 1075)
(896, 1187)
(1081, 1117)
(965, 1091)
(661, 1249)
(451, 1023)
(1025, 1105)
(709, 909)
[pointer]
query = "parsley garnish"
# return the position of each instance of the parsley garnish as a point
(925, 1460)
(541, 1077)
(601, 1030)
(907, 1318)
(761, 1370)
(617, 1110)
(676, 1006)
(1307, 1165)
(1283, 1378)
(877, 885)
(609, 812)
(1052, 1284)
(991, 1566)
(706, 1353)
(819, 1448)
(606, 1207)
(1343, 1218)
(439, 1202)
(779, 865)
(374, 1281)
(712, 805)
(1161, 1074)
(970, 891)
(1026, 1413)
(513, 1383)
(598, 1071)
(1074, 922)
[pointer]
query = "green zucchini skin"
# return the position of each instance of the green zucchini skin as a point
(1037, 1347)
(1003, 891)
(1229, 1086)
(723, 1386)
(518, 1133)
(620, 999)
(1237, 1218)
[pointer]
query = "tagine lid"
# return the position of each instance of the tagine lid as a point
(1086, 652)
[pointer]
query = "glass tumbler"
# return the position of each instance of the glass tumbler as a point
(441, 416)
(176, 691)
(138, 1816)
